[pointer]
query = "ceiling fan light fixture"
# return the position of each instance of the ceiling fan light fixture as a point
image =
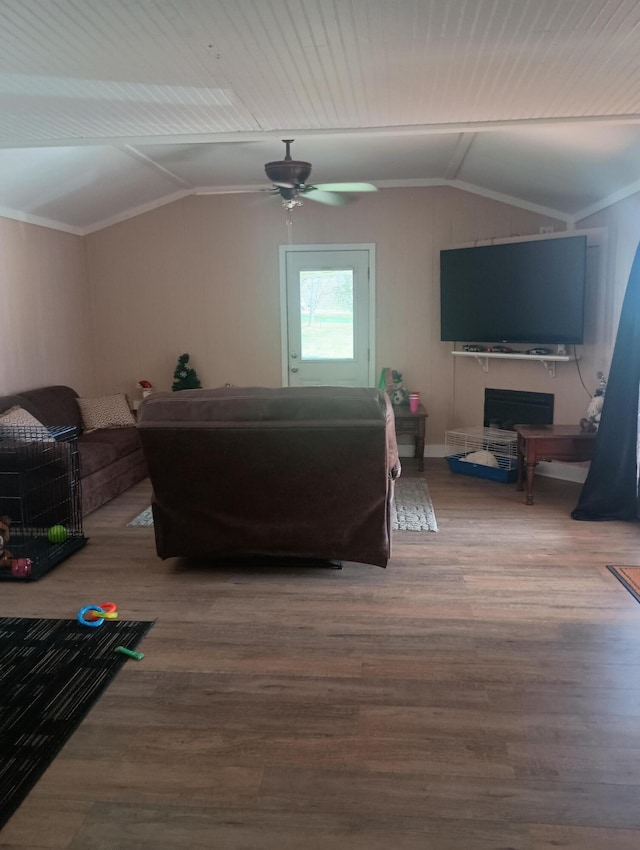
(291, 203)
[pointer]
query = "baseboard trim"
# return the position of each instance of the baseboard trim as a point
(576, 472)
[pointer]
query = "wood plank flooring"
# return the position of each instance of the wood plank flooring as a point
(481, 693)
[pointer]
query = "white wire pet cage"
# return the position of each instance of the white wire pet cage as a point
(465, 444)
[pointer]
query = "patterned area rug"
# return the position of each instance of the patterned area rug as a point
(629, 577)
(51, 673)
(412, 509)
(143, 520)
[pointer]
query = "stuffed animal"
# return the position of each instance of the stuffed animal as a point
(391, 383)
(594, 411)
(5, 554)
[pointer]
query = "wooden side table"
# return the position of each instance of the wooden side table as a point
(413, 424)
(549, 442)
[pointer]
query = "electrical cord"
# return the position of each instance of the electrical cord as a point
(577, 362)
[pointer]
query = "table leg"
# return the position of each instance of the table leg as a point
(521, 453)
(520, 484)
(530, 472)
(420, 452)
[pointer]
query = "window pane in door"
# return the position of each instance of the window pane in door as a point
(326, 314)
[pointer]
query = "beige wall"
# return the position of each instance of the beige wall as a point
(201, 275)
(45, 317)
(622, 224)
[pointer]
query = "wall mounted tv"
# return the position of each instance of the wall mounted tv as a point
(514, 292)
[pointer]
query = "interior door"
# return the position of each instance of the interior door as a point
(328, 315)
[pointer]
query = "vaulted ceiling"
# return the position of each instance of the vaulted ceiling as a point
(111, 107)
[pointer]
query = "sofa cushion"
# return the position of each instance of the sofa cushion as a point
(22, 427)
(257, 405)
(94, 456)
(123, 440)
(107, 411)
(8, 401)
(17, 416)
(54, 405)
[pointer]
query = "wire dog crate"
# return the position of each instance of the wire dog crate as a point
(40, 499)
(501, 444)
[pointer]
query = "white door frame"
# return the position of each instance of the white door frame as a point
(284, 342)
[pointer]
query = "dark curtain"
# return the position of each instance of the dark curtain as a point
(611, 488)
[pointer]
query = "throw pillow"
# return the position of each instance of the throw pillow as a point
(107, 411)
(29, 428)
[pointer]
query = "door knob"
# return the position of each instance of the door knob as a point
(293, 356)
(294, 368)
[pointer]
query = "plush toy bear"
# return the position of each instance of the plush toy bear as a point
(5, 554)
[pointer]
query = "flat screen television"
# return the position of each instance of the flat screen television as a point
(514, 292)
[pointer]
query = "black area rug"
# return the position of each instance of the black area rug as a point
(51, 673)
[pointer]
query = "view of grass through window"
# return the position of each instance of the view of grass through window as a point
(326, 314)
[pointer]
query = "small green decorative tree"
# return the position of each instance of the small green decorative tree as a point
(185, 377)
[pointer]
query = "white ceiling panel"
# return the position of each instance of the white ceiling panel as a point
(334, 158)
(378, 90)
(78, 187)
(575, 166)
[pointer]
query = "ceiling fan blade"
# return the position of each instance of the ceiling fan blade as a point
(333, 198)
(281, 185)
(346, 187)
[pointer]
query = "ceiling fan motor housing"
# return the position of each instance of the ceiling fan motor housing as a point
(291, 171)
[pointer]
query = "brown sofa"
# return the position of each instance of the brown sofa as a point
(111, 460)
(288, 472)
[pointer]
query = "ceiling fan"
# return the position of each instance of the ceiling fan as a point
(289, 178)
